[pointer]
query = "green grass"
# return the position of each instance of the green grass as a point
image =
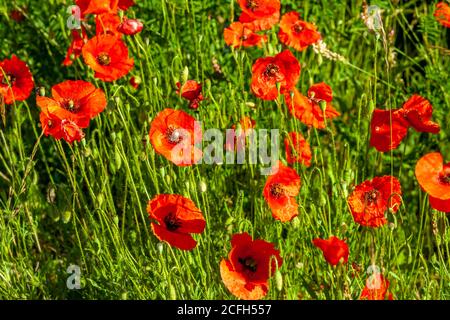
(85, 204)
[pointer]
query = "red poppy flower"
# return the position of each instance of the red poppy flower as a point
(192, 91)
(442, 14)
(130, 26)
(249, 265)
(97, 6)
(387, 132)
(308, 109)
(267, 72)
(334, 249)
(60, 129)
(176, 218)
(17, 14)
(262, 14)
(280, 191)
(297, 149)
(237, 140)
(434, 176)
(107, 24)
(16, 80)
(297, 33)
(76, 101)
(108, 57)
(376, 288)
(135, 82)
(79, 38)
(125, 4)
(372, 198)
(173, 135)
(242, 35)
(440, 205)
(418, 111)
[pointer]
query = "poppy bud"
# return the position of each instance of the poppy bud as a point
(172, 293)
(159, 247)
(130, 26)
(278, 280)
(185, 75)
(66, 216)
(202, 186)
(124, 296)
(135, 81)
(323, 105)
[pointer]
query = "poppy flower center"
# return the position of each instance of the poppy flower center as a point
(8, 79)
(172, 222)
(277, 190)
(371, 196)
(298, 27)
(271, 70)
(248, 263)
(173, 135)
(444, 177)
(252, 5)
(70, 105)
(104, 59)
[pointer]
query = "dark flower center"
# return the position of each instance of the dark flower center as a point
(104, 59)
(172, 222)
(444, 177)
(173, 135)
(252, 5)
(277, 190)
(271, 70)
(70, 105)
(248, 263)
(8, 79)
(371, 196)
(298, 27)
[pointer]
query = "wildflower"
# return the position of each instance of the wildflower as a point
(97, 6)
(16, 80)
(135, 82)
(267, 72)
(376, 288)
(191, 90)
(418, 111)
(308, 109)
(372, 198)
(442, 14)
(262, 14)
(242, 35)
(249, 265)
(387, 129)
(334, 250)
(176, 217)
(130, 26)
(297, 33)
(79, 38)
(108, 57)
(107, 24)
(297, 149)
(172, 134)
(280, 191)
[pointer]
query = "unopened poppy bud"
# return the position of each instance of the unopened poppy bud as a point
(116, 220)
(135, 81)
(323, 104)
(296, 222)
(202, 186)
(172, 293)
(130, 26)
(117, 100)
(40, 91)
(66, 216)
(124, 296)
(278, 280)
(100, 199)
(185, 75)
(118, 159)
(160, 247)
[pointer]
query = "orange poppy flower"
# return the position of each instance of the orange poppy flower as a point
(376, 288)
(262, 14)
(297, 33)
(107, 24)
(97, 6)
(176, 218)
(267, 72)
(308, 109)
(173, 135)
(418, 111)
(442, 14)
(192, 91)
(280, 191)
(130, 26)
(297, 149)
(60, 129)
(249, 265)
(433, 176)
(334, 250)
(383, 125)
(108, 57)
(242, 35)
(372, 198)
(440, 205)
(16, 80)
(237, 140)
(79, 38)
(76, 101)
